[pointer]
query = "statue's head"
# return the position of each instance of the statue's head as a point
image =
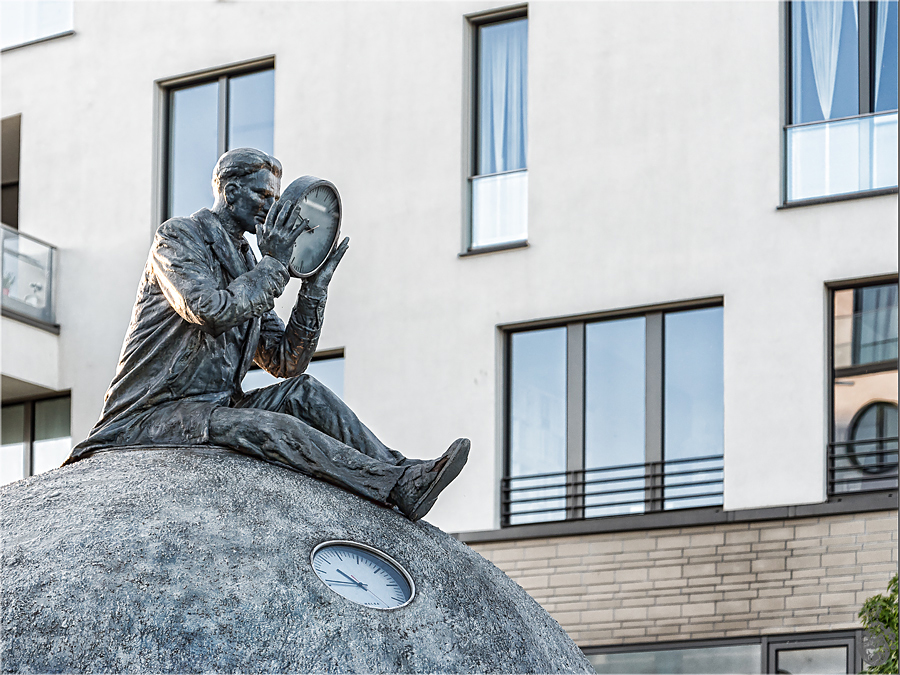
(246, 183)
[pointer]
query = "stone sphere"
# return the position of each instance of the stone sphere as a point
(190, 560)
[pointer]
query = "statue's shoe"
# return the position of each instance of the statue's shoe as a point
(419, 486)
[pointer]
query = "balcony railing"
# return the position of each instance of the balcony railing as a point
(862, 465)
(841, 156)
(609, 491)
(27, 276)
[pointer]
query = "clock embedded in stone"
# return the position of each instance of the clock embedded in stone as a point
(320, 208)
(363, 574)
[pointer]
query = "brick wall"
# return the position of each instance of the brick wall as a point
(731, 580)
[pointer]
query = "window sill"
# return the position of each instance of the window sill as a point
(481, 250)
(46, 38)
(850, 503)
(30, 321)
(847, 196)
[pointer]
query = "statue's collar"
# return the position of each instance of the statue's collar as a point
(235, 256)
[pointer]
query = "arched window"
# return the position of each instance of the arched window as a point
(877, 422)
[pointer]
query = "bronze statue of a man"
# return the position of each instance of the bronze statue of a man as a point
(204, 313)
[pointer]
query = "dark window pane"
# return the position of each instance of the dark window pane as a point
(9, 209)
(502, 96)
(824, 60)
(885, 58)
(538, 420)
(820, 660)
(693, 419)
(52, 438)
(251, 111)
(12, 458)
(615, 391)
(874, 324)
(193, 148)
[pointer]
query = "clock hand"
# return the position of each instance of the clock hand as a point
(342, 583)
(356, 581)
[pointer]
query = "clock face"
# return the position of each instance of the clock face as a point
(320, 207)
(362, 574)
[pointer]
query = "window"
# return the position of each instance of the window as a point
(11, 133)
(614, 416)
(25, 21)
(207, 117)
(36, 437)
(327, 368)
(841, 135)
(498, 180)
(834, 652)
(863, 443)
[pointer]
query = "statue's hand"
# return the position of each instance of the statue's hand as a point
(277, 235)
(318, 283)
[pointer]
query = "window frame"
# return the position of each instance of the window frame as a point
(474, 22)
(28, 424)
(165, 100)
(865, 94)
(852, 639)
(834, 374)
(654, 458)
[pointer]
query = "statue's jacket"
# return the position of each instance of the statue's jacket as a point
(202, 315)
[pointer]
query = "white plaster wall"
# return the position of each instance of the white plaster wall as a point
(654, 161)
(29, 354)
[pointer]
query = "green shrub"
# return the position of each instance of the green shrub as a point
(879, 617)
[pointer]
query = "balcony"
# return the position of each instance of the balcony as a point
(852, 155)
(863, 465)
(611, 491)
(27, 279)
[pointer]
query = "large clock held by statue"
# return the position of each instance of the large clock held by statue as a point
(320, 208)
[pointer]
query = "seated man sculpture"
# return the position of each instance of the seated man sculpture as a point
(204, 312)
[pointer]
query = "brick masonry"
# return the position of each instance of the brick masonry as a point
(705, 582)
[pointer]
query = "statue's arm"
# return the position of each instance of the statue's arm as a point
(182, 265)
(286, 352)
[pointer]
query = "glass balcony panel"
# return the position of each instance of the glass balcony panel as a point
(27, 276)
(841, 157)
(499, 208)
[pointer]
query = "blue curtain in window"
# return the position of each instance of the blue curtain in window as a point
(502, 93)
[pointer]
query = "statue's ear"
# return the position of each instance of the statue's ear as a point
(231, 190)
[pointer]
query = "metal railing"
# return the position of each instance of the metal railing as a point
(862, 465)
(614, 490)
(27, 270)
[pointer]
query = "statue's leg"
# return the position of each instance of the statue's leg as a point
(281, 438)
(307, 399)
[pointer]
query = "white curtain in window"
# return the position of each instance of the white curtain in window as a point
(823, 26)
(503, 82)
(881, 21)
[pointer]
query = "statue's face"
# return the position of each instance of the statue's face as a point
(250, 198)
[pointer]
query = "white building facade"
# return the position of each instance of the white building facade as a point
(643, 254)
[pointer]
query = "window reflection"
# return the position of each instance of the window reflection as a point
(194, 148)
(725, 659)
(538, 421)
(196, 140)
(864, 392)
(814, 660)
(614, 427)
(52, 440)
(694, 416)
(12, 451)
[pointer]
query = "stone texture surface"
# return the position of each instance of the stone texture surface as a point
(190, 561)
(707, 582)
